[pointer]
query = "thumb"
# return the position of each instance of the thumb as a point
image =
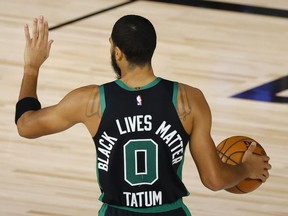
(249, 151)
(252, 147)
(49, 45)
(49, 48)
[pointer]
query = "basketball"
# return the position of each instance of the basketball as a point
(231, 151)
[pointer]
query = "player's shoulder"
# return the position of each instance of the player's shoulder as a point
(189, 102)
(88, 98)
(82, 95)
(190, 91)
(87, 88)
(85, 91)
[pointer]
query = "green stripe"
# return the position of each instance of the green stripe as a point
(186, 210)
(124, 86)
(97, 176)
(180, 168)
(102, 98)
(157, 209)
(103, 210)
(175, 94)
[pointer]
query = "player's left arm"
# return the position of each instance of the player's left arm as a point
(36, 51)
(31, 120)
(72, 109)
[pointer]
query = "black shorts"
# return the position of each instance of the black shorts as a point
(107, 210)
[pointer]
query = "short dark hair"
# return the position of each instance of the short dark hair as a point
(136, 38)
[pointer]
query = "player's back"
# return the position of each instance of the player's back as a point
(140, 145)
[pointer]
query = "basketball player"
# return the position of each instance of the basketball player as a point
(141, 125)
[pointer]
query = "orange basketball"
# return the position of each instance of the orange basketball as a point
(231, 151)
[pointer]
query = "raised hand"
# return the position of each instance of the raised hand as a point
(38, 47)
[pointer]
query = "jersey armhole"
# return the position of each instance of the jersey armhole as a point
(175, 94)
(102, 98)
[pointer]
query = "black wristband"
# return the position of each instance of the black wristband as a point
(26, 104)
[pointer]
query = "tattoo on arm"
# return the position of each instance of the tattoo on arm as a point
(93, 106)
(183, 105)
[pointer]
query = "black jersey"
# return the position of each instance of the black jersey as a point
(140, 145)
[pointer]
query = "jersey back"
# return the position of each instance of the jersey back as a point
(140, 145)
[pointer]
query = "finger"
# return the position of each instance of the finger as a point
(265, 175)
(35, 30)
(268, 166)
(41, 27)
(263, 179)
(252, 146)
(249, 151)
(265, 158)
(27, 34)
(46, 31)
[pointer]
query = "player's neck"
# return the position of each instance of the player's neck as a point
(138, 77)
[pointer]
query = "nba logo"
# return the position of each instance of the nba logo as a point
(139, 100)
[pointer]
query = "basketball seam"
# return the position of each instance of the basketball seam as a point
(228, 157)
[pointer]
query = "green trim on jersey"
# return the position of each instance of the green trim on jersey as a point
(102, 98)
(103, 107)
(97, 176)
(103, 210)
(180, 168)
(175, 100)
(179, 171)
(124, 86)
(175, 94)
(157, 209)
(186, 210)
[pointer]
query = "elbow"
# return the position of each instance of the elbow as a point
(213, 182)
(25, 128)
(214, 186)
(24, 132)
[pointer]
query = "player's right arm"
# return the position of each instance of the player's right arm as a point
(213, 172)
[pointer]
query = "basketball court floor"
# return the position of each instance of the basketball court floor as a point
(235, 51)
